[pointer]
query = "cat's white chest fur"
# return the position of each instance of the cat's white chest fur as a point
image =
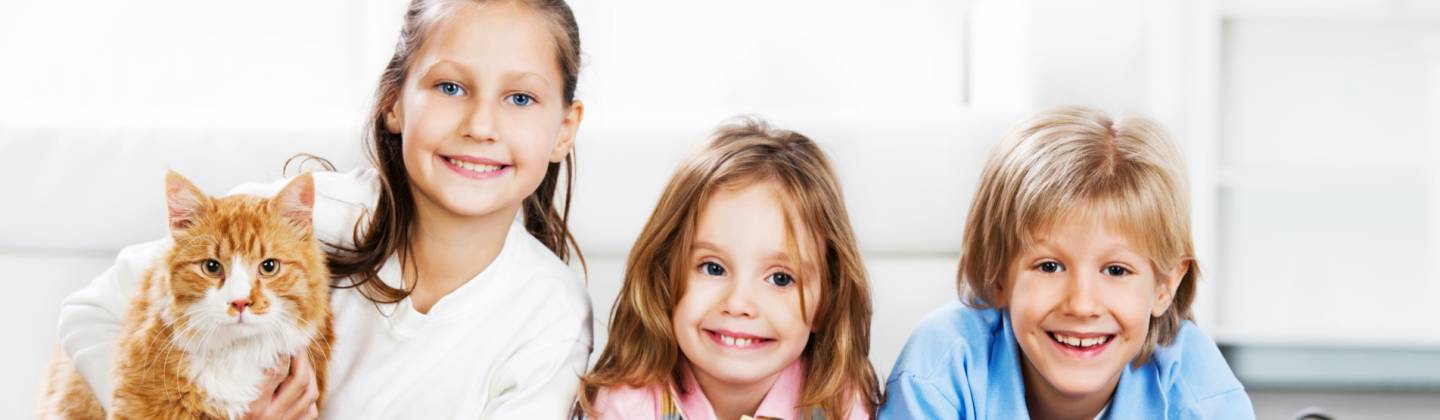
(231, 368)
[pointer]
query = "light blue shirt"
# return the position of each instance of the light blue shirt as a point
(963, 363)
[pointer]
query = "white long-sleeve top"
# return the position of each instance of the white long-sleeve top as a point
(510, 343)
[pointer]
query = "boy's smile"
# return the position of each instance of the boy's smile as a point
(1080, 300)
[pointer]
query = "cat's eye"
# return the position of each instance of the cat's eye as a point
(269, 267)
(212, 268)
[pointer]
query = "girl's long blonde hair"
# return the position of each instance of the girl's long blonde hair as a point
(642, 350)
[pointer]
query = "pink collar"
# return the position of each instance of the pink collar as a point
(779, 402)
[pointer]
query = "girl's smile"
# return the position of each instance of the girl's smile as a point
(475, 167)
(482, 114)
(740, 319)
(739, 341)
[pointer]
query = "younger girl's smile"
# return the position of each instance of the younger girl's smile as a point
(739, 341)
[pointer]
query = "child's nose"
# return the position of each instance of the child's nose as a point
(737, 302)
(1080, 297)
(479, 124)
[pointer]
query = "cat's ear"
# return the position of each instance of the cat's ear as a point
(296, 202)
(184, 201)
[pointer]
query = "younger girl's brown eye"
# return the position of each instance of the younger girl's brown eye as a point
(269, 267)
(211, 267)
(1116, 271)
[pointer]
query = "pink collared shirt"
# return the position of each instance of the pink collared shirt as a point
(630, 403)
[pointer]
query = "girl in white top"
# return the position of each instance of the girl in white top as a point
(453, 297)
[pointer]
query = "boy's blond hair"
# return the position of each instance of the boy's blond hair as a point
(1071, 158)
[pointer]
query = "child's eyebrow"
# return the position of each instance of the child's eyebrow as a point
(706, 246)
(437, 66)
(782, 258)
(520, 76)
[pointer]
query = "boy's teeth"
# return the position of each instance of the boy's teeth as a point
(1080, 342)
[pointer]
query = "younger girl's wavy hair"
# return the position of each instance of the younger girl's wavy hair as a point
(388, 231)
(642, 350)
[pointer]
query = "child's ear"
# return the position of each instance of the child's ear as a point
(1169, 283)
(568, 126)
(393, 118)
(184, 201)
(296, 202)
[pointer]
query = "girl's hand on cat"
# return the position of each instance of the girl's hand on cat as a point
(289, 392)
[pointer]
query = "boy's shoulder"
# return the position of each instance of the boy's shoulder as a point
(953, 334)
(1194, 374)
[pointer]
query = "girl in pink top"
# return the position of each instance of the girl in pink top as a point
(744, 296)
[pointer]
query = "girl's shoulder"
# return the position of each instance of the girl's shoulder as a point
(528, 258)
(627, 402)
(342, 200)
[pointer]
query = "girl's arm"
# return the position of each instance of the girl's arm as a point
(540, 379)
(90, 318)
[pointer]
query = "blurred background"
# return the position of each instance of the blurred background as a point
(1309, 129)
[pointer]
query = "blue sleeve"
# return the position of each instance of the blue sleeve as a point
(911, 397)
(1234, 404)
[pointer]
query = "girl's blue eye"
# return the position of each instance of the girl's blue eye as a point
(520, 99)
(781, 279)
(1050, 267)
(712, 269)
(1116, 271)
(450, 89)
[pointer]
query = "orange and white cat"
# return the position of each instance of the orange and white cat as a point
(244, 284)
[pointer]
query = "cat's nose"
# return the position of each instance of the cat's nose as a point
(240, 304)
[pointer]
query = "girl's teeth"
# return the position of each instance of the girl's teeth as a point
(473, 166)
(737, 342)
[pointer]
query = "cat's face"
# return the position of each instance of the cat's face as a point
(243, 267)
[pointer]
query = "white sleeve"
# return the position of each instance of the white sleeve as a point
(540, 380)
(90, 318)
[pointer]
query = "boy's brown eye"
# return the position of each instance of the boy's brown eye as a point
(1116, 271)
(269, 267)
(211, 267)
(1049, 267)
